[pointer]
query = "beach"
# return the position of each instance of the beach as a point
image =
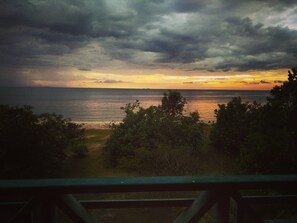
(95, 125)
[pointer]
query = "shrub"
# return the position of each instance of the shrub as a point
(271, 144)
(232, 125)
(137, 142)
(35, 145)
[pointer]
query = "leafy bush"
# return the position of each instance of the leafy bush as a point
(267, 148)
(264, 137)
(35, 145)
(232, 125)
(137, 143)
(271, 144)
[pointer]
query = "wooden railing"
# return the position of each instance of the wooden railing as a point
(39, 200)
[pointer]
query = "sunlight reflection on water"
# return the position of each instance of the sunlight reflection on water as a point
(103, 105)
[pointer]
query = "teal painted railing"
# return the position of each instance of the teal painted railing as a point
(39, 200)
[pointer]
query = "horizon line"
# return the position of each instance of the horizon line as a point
(167, 89)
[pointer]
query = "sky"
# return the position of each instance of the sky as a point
(167, 44)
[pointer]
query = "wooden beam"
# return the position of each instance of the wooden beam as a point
(45, 211)
(199, 207)
(74, 210)
(137, 203)
(222, 209)
(142, 184)
(245, 208)
(271, 199)
(24, 211)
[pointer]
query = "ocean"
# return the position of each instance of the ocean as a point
(103, 105)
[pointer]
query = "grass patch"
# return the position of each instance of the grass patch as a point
(91, 165)
(207, 162)
(94, 136)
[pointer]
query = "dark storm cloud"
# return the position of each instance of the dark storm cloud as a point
(194, 35)
(265, 82)
(109, 81)
(177, 47)
(278, 4)
(85, 69)
(257, 47)
(70, 17)
(256, 82)
(237, 43)
(278, 82)
(13, 77)
(189, 5)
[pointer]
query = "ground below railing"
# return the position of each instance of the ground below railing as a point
(232, 198)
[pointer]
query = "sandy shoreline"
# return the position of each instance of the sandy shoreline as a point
(96, 125)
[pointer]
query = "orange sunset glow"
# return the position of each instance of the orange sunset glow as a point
(168, 79)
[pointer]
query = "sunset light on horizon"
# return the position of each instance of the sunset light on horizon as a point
(253, 80)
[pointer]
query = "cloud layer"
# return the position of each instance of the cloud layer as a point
(215, 35)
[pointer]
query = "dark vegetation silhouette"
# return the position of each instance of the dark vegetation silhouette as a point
(34, 146)
(161, 140)
(158, 139)
(232, 125)
(263, 137)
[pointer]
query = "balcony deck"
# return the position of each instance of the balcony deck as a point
(38, 200)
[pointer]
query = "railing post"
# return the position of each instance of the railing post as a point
(222, 209)
(198, 208)
(240, 217)
(74, 210)
(45, 211)
(244, 209)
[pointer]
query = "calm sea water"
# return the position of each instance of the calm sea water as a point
(103, 105)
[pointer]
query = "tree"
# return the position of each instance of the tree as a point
(267, 146)
(232, 125)
(147, 138)
(263, 137)
(285, 97)
(34, 146)
(271, 144)
(173, 103)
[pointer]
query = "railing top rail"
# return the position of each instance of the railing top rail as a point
(142, 184)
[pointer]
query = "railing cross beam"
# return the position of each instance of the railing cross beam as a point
(74, 210)
(199, 207)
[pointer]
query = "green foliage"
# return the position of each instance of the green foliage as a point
(271, 145)
(173, 103)
(267, 147)
(35, 145)
(137, 142)
(264, 137)
(232, 125)
(285, 96)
